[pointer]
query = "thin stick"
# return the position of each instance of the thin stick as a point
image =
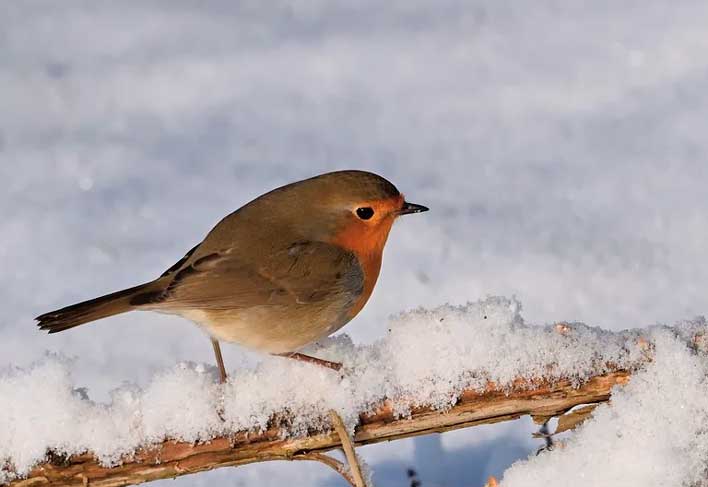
(219, 360)
(348, 448)
(333, 463)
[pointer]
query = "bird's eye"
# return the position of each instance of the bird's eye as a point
(365, 213)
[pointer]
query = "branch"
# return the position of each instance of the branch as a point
(332, 463)
(540, 399)
(348, 448)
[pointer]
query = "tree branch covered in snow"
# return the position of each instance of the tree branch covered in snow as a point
(434, 371)
(173, 459)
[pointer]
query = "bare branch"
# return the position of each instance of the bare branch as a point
(348, 447)
(333, 463)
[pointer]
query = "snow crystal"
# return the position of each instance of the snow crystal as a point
(427, 358)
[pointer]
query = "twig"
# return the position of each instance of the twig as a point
(333, 463)
(348, 448)
(491, 482)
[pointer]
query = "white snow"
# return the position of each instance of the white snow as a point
(427, 358)
(653, 434)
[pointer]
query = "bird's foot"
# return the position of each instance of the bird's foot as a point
(313, 360)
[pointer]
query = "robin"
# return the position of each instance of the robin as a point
(283, 271)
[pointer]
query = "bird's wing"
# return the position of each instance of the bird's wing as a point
(304, 273)
(180, 262)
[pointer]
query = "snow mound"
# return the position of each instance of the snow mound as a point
(427, 358)
(654, 432)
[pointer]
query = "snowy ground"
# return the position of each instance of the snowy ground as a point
(560, 145)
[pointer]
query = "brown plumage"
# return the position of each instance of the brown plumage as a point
(288, 268)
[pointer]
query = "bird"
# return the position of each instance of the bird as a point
(285, 270)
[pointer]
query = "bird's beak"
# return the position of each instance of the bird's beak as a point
(409, 208)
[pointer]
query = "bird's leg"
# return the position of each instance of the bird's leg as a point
(219, 360)
(313, 360)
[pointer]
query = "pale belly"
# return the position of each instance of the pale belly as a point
(270, 329)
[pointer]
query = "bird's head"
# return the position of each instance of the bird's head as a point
(353, 209)
(361, 207)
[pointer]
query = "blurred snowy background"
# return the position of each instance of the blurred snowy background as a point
(561, 147)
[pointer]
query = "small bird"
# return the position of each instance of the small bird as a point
(285, 270)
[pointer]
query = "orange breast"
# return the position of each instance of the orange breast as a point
(367, 242)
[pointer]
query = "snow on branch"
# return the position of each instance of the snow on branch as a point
(172, 459)
(449, 368)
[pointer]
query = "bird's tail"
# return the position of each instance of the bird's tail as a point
(94, 309)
